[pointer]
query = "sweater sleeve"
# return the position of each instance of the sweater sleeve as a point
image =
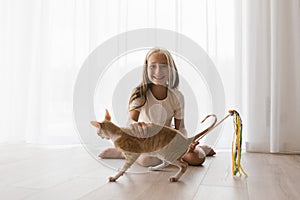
(135, 103)
(179, 106)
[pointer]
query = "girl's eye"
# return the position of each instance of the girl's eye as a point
(161, 66)
(152, 66)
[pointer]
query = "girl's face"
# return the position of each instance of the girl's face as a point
(157, 69)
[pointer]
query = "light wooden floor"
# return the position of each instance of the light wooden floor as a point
(39, 172)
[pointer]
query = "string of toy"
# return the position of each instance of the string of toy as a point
(237, 144)
(217, 124)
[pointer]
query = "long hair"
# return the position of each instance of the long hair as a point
(141, 90)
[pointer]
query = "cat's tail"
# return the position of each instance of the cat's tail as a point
(212, 126)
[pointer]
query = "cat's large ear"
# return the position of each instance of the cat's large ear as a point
(107, 115)
(96, 124)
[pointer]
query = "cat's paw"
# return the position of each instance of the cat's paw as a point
(112, 179)
(173, 179)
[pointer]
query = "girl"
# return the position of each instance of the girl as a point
(158, 100)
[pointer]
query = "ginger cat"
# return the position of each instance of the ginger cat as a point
(166, 143)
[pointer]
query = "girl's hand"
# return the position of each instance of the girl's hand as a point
(140, 129)
(193, 146)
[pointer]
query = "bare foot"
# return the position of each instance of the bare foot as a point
(208, 150)
(111, 153)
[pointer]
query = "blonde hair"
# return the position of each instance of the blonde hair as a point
(141, 90)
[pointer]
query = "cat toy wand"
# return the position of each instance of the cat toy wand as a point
(217, 124)
(236, 141)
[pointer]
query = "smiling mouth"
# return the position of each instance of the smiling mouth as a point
(159, 78)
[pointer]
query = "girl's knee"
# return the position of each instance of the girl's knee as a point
(194, 158)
